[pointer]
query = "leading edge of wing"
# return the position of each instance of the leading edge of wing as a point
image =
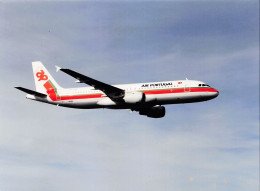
(111, 91)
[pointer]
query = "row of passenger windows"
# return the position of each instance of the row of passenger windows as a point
(148, 88)
(133, 88)
(140, 88)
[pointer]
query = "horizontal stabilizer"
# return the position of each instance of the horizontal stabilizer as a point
(31, 92)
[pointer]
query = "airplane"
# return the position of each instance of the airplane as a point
(145, 98)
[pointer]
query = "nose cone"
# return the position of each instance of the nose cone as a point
(214, 93)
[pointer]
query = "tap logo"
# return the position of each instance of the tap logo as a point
(41, 75)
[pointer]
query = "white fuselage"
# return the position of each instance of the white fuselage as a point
(156, 93)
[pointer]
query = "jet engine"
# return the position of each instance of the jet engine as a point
(134, 97)
(153, 112)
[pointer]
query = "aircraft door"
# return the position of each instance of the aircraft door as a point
(186, 86)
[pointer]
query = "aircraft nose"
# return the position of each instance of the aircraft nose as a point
(216, 93)
(213, 93)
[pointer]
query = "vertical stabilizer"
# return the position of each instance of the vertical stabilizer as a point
(42, 77)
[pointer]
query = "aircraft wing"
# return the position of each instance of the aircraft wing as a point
(31, 92)
(111, 91)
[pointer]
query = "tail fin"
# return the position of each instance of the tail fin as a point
(41, 77)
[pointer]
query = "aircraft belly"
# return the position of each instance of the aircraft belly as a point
(186, 97)
(81, 103)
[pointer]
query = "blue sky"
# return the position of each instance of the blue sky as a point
(202, 146)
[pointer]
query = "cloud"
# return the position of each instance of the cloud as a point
(191, 179)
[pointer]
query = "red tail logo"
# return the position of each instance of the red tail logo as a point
(41, 75)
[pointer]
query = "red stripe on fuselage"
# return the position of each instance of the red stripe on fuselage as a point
(54, 97)
(81, 96)
(203, 90)
(181, 90)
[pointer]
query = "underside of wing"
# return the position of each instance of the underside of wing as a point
(111, 91)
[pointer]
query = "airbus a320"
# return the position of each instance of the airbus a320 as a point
(146, 98)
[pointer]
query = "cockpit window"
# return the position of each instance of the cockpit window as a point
(204, 85)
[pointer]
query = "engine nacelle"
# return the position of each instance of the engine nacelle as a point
(134, 97)
(154, 112)
(150, 98)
